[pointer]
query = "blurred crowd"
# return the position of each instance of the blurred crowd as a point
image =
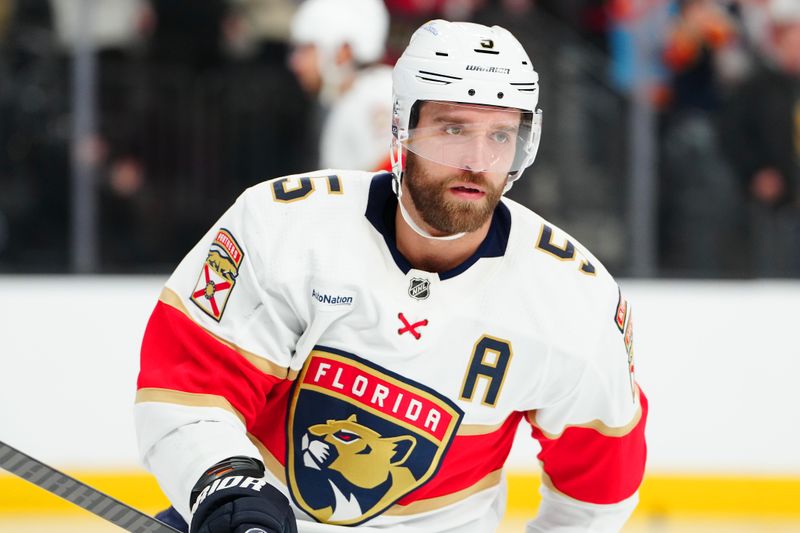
(193, 104)
(730, 138)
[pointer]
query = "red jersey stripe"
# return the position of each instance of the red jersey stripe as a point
(584, 464)
(270, 428)
(469, 459)
(177, 354)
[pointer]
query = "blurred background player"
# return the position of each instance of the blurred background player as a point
(338, 46)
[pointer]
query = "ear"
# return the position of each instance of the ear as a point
(403, 456)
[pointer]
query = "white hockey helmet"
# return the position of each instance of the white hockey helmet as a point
(465, 64)
(328, 24)
(784, 11)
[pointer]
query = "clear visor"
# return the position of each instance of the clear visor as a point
(477, 138)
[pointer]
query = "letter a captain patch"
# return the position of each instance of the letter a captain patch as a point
(218, 275)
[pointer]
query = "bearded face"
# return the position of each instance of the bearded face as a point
(458, 159)
(458, 201)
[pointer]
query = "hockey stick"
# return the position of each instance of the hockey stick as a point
(79, 493)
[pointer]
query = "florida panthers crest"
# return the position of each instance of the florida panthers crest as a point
(361, 437)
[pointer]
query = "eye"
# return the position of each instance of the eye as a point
(500, 137)
(346, 436)
(453, 129)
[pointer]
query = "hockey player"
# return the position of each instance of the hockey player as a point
(337, 47)
(346, 349)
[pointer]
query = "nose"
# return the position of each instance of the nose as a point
(477, 156)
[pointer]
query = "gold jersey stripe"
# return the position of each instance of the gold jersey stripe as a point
(490, 480)
(186, 398)
(468, 430)
(596, 425)
(421, 506)
(270, 462)
(169, 297)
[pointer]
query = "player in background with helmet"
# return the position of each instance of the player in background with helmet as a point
(355, 349)
(337, 49)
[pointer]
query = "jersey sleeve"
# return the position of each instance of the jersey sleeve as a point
(592, 438)
(216, 344)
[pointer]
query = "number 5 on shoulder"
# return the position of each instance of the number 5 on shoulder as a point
(562, 253)
(292, 189)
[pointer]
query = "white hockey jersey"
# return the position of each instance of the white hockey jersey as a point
(357, 130)
(382, 396)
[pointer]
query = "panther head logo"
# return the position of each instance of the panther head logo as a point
(222, 265)
(365, 460)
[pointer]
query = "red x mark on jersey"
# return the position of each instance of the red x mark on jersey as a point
(412, 328)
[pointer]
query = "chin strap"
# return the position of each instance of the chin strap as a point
(421, 232)
(396, 153)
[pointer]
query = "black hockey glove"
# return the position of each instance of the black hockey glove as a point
(233, 497)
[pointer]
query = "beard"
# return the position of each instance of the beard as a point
(449, 215)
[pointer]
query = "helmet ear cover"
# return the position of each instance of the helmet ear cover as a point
(413, 116)
(525, 127)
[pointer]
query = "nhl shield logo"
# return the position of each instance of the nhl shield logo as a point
(218, 275)
(419, 288)
(360, 437)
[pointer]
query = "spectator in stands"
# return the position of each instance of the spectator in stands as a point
(341, 65)
(188, 37)
(266, 103)
(116, 30)
(5, 16)
(33, 140)
(762, 132)
(260, 28)
(701, 206)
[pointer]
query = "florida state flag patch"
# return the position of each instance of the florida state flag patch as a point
(361, 437)
(218, 275)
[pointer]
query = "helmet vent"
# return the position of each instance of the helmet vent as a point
(435, 77)
(527, 86)
(443, 54)
(440, 82)
(493, 52)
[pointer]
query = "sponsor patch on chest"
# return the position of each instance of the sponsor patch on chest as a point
(327, 298)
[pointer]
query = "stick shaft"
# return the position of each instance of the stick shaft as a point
(79, 493)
